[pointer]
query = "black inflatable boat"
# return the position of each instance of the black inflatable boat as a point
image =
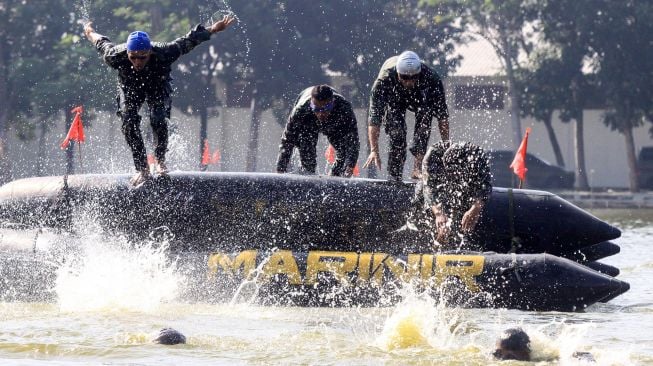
(204, 215)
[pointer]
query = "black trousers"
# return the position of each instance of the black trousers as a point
(158, 103)
(395, 128)
(346, 146)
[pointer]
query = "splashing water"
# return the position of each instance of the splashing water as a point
(420, 321)
(115, 276)
(82, 8)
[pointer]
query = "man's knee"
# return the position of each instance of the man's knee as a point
(397, 138)
(159, 116)
(130, 120)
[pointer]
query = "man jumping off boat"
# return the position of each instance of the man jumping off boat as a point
(144, 76)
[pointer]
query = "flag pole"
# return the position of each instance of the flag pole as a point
(79, 148)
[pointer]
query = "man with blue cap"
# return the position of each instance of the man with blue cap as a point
(144, 76)
(405, 83)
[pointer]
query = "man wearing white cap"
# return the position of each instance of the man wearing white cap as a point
(405, 83)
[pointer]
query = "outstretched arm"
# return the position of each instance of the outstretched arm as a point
(223, 24)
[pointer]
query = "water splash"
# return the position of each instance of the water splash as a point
(420, 321)
(83, 8)
(113, 275)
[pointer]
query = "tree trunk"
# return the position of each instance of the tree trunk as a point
(514, 95)
(554, 140)
(579, 144)
(632, 159)
(203, 132)
(255, 122)
(4, 109)
(156, 17)
(40, 155)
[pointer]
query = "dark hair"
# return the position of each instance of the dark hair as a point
(322, 92)
(515, 339)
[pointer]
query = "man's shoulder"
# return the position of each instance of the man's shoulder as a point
(388, 69)
(390, 63)
(341, 101)
(429, 73)
(302, 104)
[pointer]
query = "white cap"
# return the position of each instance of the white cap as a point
(408, 63)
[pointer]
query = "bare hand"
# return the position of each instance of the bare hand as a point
(221, 25)
(373, 160)
(470, 218)
(442, 224)
(88, 29)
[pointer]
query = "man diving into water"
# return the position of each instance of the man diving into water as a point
(456, 184)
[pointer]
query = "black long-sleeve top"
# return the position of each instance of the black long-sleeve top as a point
(302, 127)
(156, 73)
(387, 89)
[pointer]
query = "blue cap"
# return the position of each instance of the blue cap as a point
(138, 41)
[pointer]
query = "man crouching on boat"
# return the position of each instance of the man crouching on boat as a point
(320, 109)
(456, 184)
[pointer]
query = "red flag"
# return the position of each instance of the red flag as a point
(330, 154)
(357, 171)
(215, 157)
(518, 164)
(206, 158)
(76, 131)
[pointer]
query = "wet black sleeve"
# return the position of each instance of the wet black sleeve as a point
(347, 149)
(484, 184)
(171, 51)
(111, 53)
(437, 99)
(378, 101)
(289, 140)
(433, 179)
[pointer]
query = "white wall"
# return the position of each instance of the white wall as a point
(106, 152)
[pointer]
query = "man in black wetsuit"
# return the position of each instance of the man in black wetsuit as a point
(405, 83)
(320, 109)
(456, 184)
(144, 76)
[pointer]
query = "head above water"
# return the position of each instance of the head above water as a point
(139, 49)
(169, 337)
(322, 101)
(409, 67)
(514, 344)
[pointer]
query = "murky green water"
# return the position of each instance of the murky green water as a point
(109, 311)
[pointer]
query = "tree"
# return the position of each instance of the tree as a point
(541, 93)
(567, 25)
(39, 63)
(505, 25)
(622, 41)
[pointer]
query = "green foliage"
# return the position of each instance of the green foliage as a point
(621, 39)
